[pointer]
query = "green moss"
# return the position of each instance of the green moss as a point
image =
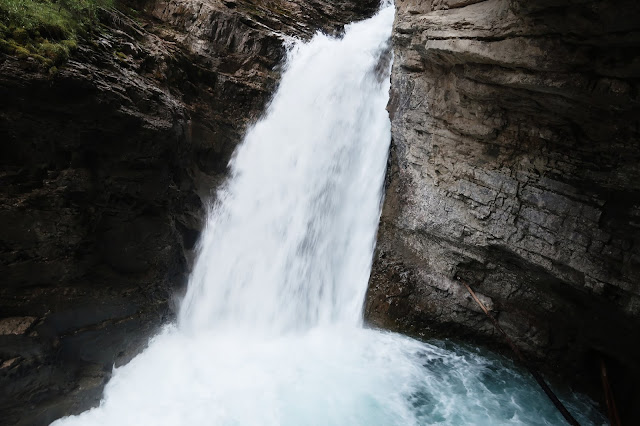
(44, 61)
(47, 30)
(7, 47)
(21, 52)
(56, 52)
(70, 44)
(20, 35)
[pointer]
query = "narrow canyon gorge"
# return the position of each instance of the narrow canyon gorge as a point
(514, 167)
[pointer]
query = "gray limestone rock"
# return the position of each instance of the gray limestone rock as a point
(515, 166)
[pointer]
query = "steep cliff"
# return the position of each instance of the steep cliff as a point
(106, 167)
(515, 166)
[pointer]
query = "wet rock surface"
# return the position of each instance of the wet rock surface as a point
(105, 171)
(515, 166)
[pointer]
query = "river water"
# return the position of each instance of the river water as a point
(270, 331)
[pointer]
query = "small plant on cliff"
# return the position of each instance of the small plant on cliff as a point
(46, 30)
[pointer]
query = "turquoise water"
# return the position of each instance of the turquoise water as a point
(484, 388)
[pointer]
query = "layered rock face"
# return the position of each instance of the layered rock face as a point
(106, 169)
(515, 167)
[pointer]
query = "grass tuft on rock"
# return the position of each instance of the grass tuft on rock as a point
(46, 30)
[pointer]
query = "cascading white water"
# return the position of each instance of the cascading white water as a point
(289, 243)
(270, 332)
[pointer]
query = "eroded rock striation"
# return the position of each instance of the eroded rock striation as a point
(105, 169)
(515, 167)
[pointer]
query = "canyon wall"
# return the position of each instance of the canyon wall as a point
(106, 168)
(515, 167)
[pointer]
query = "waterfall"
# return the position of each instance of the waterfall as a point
(289, 242)
(269, 332)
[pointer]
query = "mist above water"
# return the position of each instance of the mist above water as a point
(270, 330)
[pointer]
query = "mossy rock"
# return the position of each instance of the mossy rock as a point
(44, 61)
(70, 44)
(20, 35)
(21, 52)
(56, 52)
(46, 30)
(7, 47)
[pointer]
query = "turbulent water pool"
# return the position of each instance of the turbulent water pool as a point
(270, 331)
